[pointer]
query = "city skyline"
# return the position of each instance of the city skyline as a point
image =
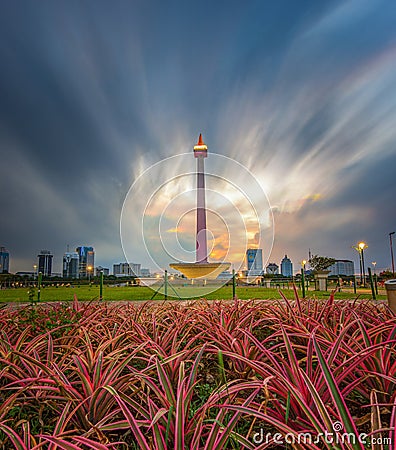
(253, 266)
(303, 94)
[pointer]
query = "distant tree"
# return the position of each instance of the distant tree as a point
(386, 274)
(319, 263)
(268, 275)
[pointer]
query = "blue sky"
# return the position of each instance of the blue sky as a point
(302, 93)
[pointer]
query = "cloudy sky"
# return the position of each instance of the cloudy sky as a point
(301, 93)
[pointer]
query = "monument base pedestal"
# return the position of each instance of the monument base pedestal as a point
(208, 271)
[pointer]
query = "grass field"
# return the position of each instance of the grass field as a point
(119, 293)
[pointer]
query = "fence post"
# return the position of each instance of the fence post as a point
(371, 283)
(101, 286)
(40, 275)
(166, 285)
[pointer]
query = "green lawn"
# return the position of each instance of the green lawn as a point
(85, 293)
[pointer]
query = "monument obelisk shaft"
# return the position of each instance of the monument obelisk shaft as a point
(201, 268)
(201, 152)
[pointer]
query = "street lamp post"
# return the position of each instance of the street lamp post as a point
(302, 277)
(360, 266)
(356, 247)
(360, 247)
(363, 247)
(391, 252)
(89, 268)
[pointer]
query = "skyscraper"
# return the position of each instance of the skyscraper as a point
(70, 265)
(100, 269)
(254, 261)
(286, 267)
(45, 262)
(342, 267)
(4, 260)
(86, 261)
(272, 269)
(126, 269)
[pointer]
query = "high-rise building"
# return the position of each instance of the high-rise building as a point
(135, 268)
(272, 269)
(342, 267)
(126, 270)
(100, 269)
(145, 272)
(70, 265)
(286, 267)
(45, 262)
(4, 260)
(254, 260)
(86, 261)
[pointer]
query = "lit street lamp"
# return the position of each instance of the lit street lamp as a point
(303, 262)
(391, 251)
(35, 271)
(89, 268)
(360, 249)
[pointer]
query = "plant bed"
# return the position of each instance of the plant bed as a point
(196, 375)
